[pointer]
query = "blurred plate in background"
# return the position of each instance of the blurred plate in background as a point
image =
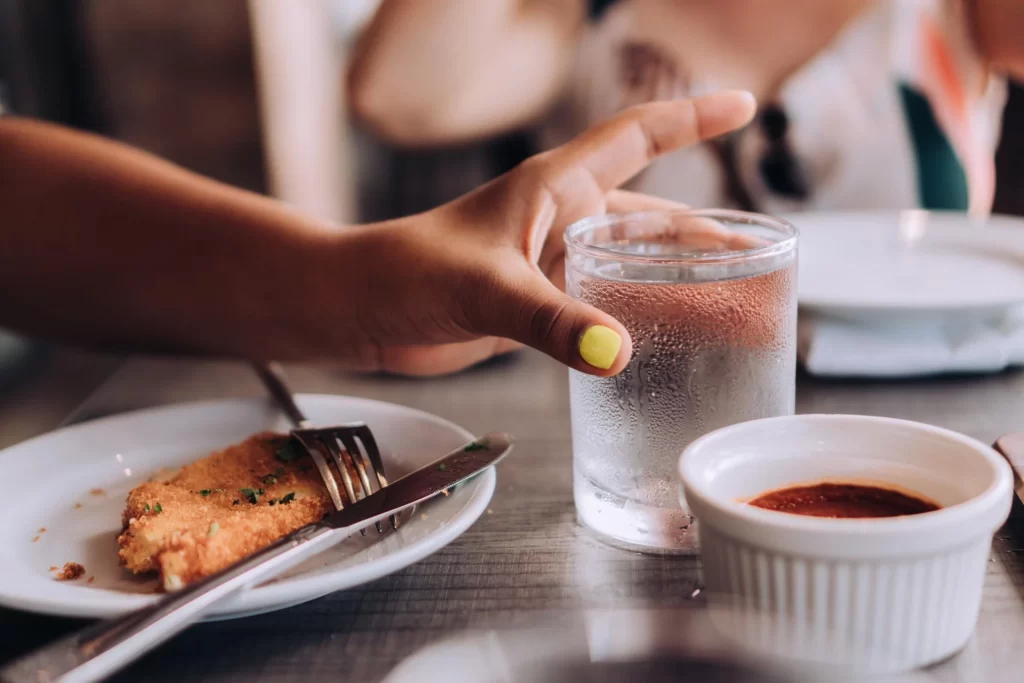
(910, 263)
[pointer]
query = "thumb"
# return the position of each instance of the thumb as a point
(536, 313)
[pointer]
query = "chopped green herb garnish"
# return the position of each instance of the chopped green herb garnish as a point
(273, 501)
(145, 508)
(235, 501)
(205, 492)
(251, 495)
(289, 451)
(214, 528)
(260, 492)
(158, 508)
(474, 447)
(442, 467)
(287, 498)
(269, 479)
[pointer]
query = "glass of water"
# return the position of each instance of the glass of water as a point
(709, 299)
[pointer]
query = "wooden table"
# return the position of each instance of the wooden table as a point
(526, 559)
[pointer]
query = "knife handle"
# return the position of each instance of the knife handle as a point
(1011, 447)
(98, 651)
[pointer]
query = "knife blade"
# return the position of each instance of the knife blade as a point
(100, 650)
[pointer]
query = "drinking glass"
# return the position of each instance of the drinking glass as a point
(709, 299)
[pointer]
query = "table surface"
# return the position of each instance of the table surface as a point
(526, 559)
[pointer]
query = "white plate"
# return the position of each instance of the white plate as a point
(912, 262)
(48, 477)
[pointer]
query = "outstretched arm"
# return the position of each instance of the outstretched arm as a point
(104, 245)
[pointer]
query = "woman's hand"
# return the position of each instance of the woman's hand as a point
(483, 274)
(109, 247)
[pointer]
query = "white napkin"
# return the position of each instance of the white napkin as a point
(835, 347)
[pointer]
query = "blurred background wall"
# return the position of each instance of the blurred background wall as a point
(175, 77)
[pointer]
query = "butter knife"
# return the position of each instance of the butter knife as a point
(100, 650)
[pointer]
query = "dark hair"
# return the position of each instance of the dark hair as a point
(779, 167)
(595, 8)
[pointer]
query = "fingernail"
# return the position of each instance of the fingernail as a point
(599, 346)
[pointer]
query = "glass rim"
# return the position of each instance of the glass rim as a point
(573, 232)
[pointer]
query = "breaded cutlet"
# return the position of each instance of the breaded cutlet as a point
(220, 509)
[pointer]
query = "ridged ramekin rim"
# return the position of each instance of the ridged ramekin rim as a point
(999, 490)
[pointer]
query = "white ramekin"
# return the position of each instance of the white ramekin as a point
(875, 595)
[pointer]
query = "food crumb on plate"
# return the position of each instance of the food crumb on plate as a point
(36, 539)
(91, 579)
(78, 506)
(97, 492)
(70, 572)
(42, 529)
(423, 515)
(53, 569)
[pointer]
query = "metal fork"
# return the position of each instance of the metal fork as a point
(366, 461)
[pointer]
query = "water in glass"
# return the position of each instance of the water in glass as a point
(712, 346)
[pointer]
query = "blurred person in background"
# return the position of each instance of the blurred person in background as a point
(396, 179)
(886, 104)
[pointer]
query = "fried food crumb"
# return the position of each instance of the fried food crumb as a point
(78, 506)
(36, 539)
(42, 529)
(70, 572)
(91, 579)
(53, 569)
(97, 492)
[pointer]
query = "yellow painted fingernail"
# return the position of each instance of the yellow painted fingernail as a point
(599, 346)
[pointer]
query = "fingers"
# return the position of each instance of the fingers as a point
(534, 312)
(615, 151)
(624, 201)
(687, 229)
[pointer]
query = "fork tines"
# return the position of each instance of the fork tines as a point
(352, 449)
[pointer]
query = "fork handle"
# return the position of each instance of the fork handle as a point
(99, 650)
(272, 376)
